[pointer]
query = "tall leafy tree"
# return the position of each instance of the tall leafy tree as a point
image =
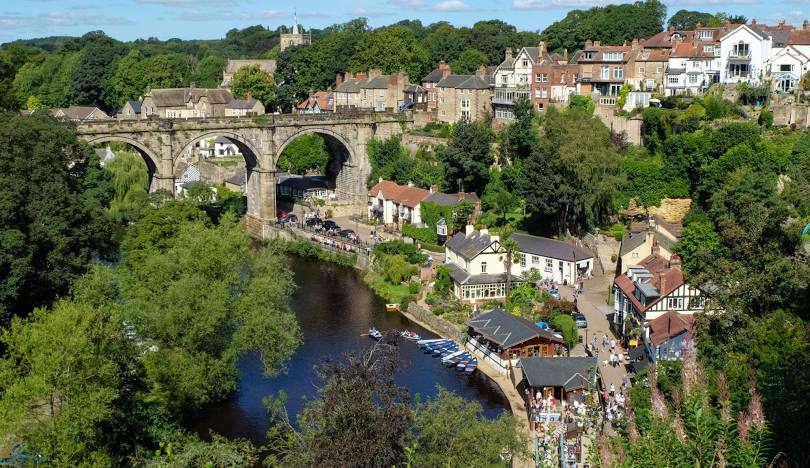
(253, 82)
(468, 157)
(208, 73)
(468, 62)
(391, 50)
(52, 225)
(95, 65)
(688, 19)
(307, 153)
(521, 137)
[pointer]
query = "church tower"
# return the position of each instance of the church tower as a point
(296, 37)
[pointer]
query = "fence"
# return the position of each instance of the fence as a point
(330, 242)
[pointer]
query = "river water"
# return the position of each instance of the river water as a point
(334, 308)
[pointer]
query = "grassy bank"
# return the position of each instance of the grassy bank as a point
(394, 293)
(308, 249)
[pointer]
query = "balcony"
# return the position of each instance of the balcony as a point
(506, 95)
(607, 101)
(740, 54)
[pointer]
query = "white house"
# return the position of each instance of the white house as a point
(513, 79)
(692, 67)
(218, 147)
(651, 288)
(476, 263)
(189, 174)
(392, 203)
(558, 261)
(745, 52)
(786, 68)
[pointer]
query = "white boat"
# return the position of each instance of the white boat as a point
(409, 335)
(449, 358)
(374, 333)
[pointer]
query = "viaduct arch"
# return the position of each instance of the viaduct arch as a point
(260, 140)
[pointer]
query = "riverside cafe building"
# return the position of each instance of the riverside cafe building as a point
(501, 339)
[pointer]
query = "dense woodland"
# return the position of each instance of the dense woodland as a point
(95, 266)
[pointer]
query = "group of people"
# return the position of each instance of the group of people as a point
(615, 401)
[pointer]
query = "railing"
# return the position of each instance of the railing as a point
(607, 101)
(739, 54)
(330, 242)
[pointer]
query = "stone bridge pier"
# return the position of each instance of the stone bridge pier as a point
(162, 142)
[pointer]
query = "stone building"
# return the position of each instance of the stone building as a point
(183, 103)
(603, 70)
(464, 97)
(383, 92)
(430, 81)
(554, 79)
(347, 90)
(244, 108)
(296, 37)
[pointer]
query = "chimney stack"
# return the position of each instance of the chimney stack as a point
(656, 249)
(662, 283)
(565, 55)
(698, 25)
(481, 72)
(634, 44)
(806, 25)
(361, 76)
(754, 22)
(468, 229)
(338, 80)
(597, 43)
(542, 47)
(434, 188)
(588, 44)
(445, 69)
(675, 261)
(374, 72)
(508, 53)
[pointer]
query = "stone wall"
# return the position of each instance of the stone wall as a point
(791, 114)
(631, 126)
(672, 209)
(443, 327)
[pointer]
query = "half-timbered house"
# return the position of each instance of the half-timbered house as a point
(476, 263)
(651, 288)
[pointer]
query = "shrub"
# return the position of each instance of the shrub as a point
(414, 288)
(443, 280)
(426, 235)
(401, 248)
(766, 118)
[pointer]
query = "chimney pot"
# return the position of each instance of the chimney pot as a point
(542, 47)
(754, 22)
(468, 229)
(698, 25)
(806, 24)
(588, 44)
(597, 43)
(634, 44)
(434, 188)
(508, 52)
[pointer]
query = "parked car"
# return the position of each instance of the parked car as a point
(328, 224)
(288, 218)
(580, 320)
(348, 234)
(554, 293)
(314, 221)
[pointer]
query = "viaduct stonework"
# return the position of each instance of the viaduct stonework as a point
(260, 140)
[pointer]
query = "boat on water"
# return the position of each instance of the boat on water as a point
(374, 333)
(392, 307)
(451, 359)
(409, 335)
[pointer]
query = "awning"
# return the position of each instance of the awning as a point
(637, 367)
(636, 352)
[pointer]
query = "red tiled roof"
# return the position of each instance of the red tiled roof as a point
(668, 325)
(691, 50)
(652, 55)
(674, 228)
(799, 37)
(321, 97)
(401, 194)
(663, 275)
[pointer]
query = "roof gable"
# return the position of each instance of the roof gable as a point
(508, 330)
(570, 373)
(551, 248)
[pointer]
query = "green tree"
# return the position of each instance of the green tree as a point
(521, 137)
(389, 160)
(253, 82)
(94, 67)
(52, 225)
(468, 62)
(397, 269)
(468, 157)
(305, 154)
(59, 381)
(208, 73)
(443, 280)
(391, 49)
(131, 180)
(450, 431)
(688, 19)
(510, 248)
(565, 324)
(497, 197)
(360, 414)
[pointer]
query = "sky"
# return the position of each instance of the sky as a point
(211, 19)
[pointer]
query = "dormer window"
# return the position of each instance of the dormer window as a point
(589, 55)
(706, 34)
(612, 56)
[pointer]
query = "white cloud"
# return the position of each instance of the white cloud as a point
(186, 3)
(451, 5)
(444, 5)
(546, 4)
(229, 15)
(55, 19)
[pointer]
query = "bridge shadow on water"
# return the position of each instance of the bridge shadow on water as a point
(334, 308)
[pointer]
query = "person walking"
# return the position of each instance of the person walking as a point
(613, 344)
(604, 341)
(612, 389)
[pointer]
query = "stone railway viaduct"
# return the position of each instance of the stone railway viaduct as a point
(260, 140)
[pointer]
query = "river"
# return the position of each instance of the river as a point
(334, 308)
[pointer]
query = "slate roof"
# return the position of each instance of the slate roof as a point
(135, 105)
(570, 373)
(669, 325)
(351, 85)
(469, 246)
(461, 276)
(77, 112)
(463, 82)
(507, 330)
(631, 242)
(551, 248)
(323, 98)
(242, 104)
(238, 178)
(450, 199)
(689, 50)
(432, 77)
(378, 82)
(177, 97)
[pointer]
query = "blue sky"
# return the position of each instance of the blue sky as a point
(211, 19)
